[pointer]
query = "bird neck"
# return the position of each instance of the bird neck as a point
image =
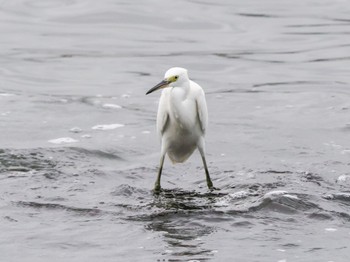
(182, 91)
(179, 94)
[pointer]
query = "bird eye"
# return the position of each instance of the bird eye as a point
(176, 77)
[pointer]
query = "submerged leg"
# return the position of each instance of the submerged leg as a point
(209, 183)
(157, 184)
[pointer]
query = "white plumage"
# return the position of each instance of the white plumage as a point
(182, 119)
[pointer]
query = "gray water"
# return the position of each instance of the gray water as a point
(79, 151)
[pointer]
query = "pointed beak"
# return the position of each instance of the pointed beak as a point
(161, 85)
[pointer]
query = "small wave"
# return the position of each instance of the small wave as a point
(227, 200)
(63, 140)
(107, 127)
(6, 94)
(127, 191)
(343, 179)
(343, 196)
(25, 161)
(111, 106)
(75, 130)
(55, 206)
(96, 153)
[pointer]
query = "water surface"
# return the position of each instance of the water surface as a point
(78, 146)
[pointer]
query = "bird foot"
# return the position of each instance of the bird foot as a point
(210, 185)
(212, 188)
(157, 189)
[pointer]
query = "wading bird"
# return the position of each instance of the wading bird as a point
(181, 120)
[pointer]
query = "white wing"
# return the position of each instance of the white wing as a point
(201, 103)
(163, 115)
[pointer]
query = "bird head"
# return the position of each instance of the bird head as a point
(175, 76)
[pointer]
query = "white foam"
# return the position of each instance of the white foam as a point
(226, 200)
(111, 106)
(6, 113)
(63, 100)
(291, 196)
(343, 178)
(63, 140)
(75, 130)
(331, 229)
(107, 127)
(125, 95)
(337, 196)
(275, 193)
(6, 94)
(146, 132)
(239, 195)
(223, 202)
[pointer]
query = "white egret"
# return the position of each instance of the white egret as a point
(181, 120)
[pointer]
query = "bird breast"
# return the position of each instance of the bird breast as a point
(182, 131)
(183, 113)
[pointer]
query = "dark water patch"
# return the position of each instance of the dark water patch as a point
(260, 188)
(312, 33)
(93, 153)
(51, 162)
(134, 173)
(312, 178)
(55, 206)
(177, 199)
(286, 83)
(179, 230)
(267, 202)
(290, 202)
(271, 171)
(237, 54)
(183, 194)
(316, 25)
(25, 160)
(18, 169)
(320, 215)
(237, 90)
(52, 175)
(341, 215)
(341, 20)
(126, 190)
(343, 197)
(257, 15)
(169, 203)
(183, 233)
(331, 59)
(10, 219)
(244, 224)
(280, 206)
(140, 73)
(243, 56)
(194, 255)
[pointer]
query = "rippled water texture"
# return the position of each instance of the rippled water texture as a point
(79, 152)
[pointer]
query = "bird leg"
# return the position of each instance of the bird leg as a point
(157, 184)
(209, 183)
